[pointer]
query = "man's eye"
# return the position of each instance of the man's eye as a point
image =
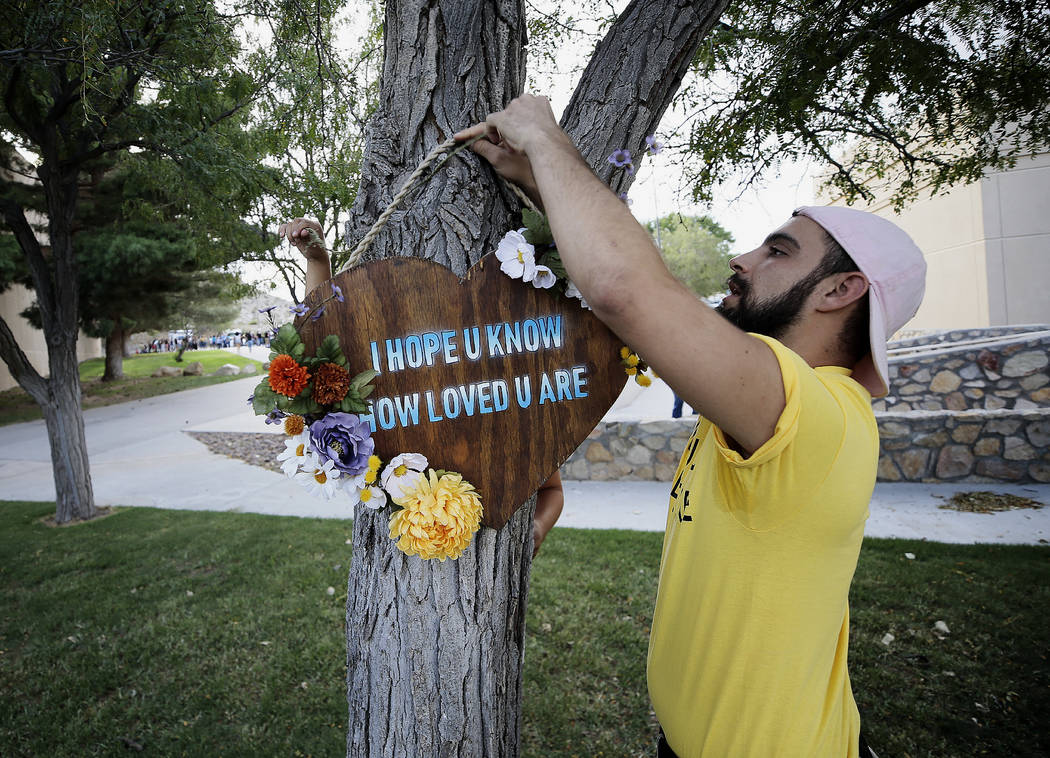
(776, 251)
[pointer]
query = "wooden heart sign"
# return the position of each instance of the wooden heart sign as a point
(487, 376)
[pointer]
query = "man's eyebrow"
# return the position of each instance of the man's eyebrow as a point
(783, 238)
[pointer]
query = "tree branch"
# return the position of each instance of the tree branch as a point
(18, 364)
(15, 217)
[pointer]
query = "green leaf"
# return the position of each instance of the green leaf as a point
(330, 352)
(351, 404)
(364, 378)
(287, 342)
(264, 399)
(537, 228)
(552, 260)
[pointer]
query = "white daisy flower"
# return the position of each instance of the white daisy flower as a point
(369, 495)
(295, 451)
(543, 278)
(572, 291)
(402, 472)
(516, 256)
(319, 478)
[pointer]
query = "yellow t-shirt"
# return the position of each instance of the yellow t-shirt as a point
(747, 656)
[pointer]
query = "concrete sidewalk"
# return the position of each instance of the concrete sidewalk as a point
(141, 457)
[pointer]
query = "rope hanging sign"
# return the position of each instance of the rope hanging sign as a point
(486, 375)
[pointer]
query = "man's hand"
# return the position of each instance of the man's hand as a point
(308, 238)
(527, 120)
(297, 231)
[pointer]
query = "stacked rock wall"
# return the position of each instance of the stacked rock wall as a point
(964, 413)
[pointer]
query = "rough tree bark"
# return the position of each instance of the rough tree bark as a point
(115, 351)
(55, 284)
(435, 650)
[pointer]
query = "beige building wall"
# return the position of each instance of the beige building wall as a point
(12, 302)
(987, 248)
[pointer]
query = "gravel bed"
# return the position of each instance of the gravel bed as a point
(254, 448)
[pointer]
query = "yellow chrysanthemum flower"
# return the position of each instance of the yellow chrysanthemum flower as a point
(624, 352)
(643, 380)
(632, 360)
(631, 370)
(439, 517)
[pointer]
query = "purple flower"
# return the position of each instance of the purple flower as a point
(299, 309)
(623, 196)
(267, 310)
(337, 293)
(251, 400)
(275, 331)
(653, 146)
(620, 158)
(318, 313)
(343, 439)
(275, 416)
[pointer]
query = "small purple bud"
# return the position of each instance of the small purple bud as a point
(318, 313)
(267, 310)
(299, 309)
(337, 293)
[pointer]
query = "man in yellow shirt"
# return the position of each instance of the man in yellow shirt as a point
(748, 648)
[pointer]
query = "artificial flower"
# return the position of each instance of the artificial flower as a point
(631, 370)
(296, 449)
(542, 277)
(343, 439)
(331, 381)
(367, 494)
(516, 256)
(571, 290)
(318, 313)
(294, 425)
(438, 518)
(620, 158)
(624, 352)
(643, 380)
(299, 309)
(337, 293)
(267, 310)
(402, 472)
(632, 360)
(275, 416)
(287, 377)
(372, 472)
(652, 145)
(319, 477)
(628, 201)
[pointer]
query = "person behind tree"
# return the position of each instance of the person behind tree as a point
(747, 654)
(550, 497)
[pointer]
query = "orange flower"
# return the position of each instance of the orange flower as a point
(287, 377)
(331, 383)
(294, 425)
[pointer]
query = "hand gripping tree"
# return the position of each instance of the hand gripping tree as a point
(435, 650)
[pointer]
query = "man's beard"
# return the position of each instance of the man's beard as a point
(774, 316)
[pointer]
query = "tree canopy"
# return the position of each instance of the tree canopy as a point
(696, 250)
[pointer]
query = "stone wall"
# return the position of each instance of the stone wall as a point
(977, 413)
(1013, 373)
(630, 450)
(972, 446)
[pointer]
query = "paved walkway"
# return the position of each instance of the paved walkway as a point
(140, 456)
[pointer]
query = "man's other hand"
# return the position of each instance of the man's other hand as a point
(297, 231)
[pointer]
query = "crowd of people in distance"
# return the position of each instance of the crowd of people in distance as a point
(200, 342)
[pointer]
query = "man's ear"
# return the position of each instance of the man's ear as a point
(840, 290)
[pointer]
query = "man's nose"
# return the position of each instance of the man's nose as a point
(741, 262)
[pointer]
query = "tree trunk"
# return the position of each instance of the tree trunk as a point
(435, 650)
(74, 497)
(115, 352)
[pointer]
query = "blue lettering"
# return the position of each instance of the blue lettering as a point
(395, 358)
(448, 340)
(414, 350)
(369, 418)
(578, 381)
(408, 409)
(532, 335)
(523, 389)
(484, 397)
(546, 390)
(430, 407)
(550, 331)
(450, 402)
(431, 346)
(375, 357)
(473, 348)
(501, 398)
(561, 380)
(385, 411)
(492, 334)
(468, 398)
(512, 338)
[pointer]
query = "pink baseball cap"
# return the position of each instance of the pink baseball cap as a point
(896, 272)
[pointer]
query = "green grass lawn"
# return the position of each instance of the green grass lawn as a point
(16, 405)
(208, 634)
